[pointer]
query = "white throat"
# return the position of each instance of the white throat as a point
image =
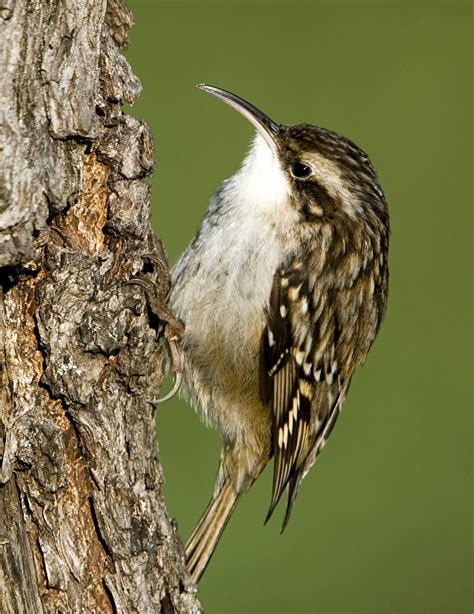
(260, 183)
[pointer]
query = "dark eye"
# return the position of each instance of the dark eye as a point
(300, 170)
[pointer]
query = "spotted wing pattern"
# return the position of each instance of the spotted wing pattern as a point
(301, 368)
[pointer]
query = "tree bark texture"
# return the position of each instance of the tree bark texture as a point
(83, 526)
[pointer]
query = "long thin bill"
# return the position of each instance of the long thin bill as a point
(262, 123)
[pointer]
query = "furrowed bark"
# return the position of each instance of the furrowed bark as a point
(83, 526)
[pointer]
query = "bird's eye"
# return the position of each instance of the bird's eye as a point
(300, 170)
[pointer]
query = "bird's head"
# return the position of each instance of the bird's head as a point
(324, 176)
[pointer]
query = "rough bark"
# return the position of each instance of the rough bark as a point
(83, 526)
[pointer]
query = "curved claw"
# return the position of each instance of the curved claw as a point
(176, 386)
(176, 363)
(155, 260)
(140, 282)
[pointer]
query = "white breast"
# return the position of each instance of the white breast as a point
(225, 276)
(221, 288)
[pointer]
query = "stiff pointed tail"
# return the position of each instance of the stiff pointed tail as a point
(203, 541)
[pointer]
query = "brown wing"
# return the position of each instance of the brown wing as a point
(299, 357)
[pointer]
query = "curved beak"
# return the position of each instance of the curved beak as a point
(266, 127)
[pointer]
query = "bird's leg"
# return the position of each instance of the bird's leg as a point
(173, 329)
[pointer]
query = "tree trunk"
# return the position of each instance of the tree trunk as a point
(83, 526)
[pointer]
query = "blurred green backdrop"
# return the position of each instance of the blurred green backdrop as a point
(383, 522)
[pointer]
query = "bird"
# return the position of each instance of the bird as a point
(282, 291)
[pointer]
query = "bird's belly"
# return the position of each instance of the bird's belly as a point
(223, 305)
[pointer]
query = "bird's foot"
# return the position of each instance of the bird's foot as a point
(173, 327)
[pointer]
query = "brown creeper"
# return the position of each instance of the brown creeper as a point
(282, 291)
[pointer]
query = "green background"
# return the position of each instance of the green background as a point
(383, 522)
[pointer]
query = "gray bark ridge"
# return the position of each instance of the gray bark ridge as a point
(83, 526)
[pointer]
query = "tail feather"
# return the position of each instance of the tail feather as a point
(203, 540)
